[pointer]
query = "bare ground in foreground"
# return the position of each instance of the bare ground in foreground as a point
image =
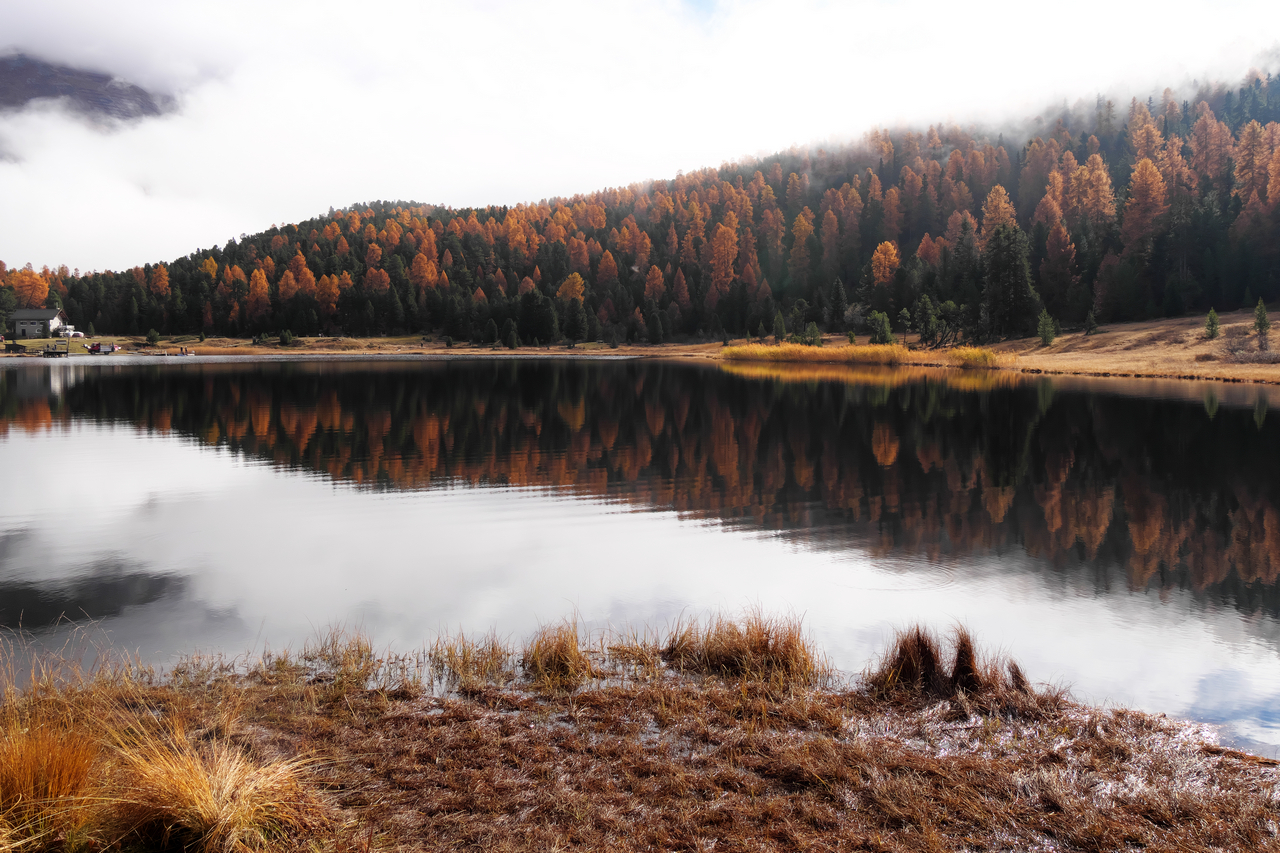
(732, 736)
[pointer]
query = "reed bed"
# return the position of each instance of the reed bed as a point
(966, 357)
(977, 358)
(888, 354)
(724, 733)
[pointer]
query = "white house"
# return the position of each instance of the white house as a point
(37, 322)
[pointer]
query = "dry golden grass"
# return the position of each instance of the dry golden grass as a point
(553, 658)
(976, 357)
(858, 354)
(936, 748)
(758, 647)
(49, 782)
(468, 665)
(210, 797)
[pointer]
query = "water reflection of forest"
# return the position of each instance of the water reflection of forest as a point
(915, 462)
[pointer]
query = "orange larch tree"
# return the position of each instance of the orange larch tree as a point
(997, 210)
(655, 285)
(258, 307)
(30, 288)
(158, 284)
(884, 263)
(1144, 210)
(572, 288)
(801, 230)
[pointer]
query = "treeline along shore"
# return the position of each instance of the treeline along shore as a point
(724, 733)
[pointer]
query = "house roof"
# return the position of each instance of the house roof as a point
(35, 314)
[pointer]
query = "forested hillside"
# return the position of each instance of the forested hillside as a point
(1158, 207)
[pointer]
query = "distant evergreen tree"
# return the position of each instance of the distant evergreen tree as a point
(1009, 301)
(881, 332)
(575, 321)
(926, 320)
(779, 328)
(1211, 327)
(490, 331)
(1045, 328)
(153, 337)
(1262, 325)
(1091, 324)
(839, 305)
(654, 327)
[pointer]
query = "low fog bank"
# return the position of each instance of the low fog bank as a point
(285, 111)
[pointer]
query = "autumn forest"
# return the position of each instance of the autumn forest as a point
(1157, 207)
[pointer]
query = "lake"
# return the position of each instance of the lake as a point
(1120, 538)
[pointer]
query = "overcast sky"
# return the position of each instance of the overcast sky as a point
(288, 108)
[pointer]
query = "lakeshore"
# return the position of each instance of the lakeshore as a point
(726, 733)
(1165, 349)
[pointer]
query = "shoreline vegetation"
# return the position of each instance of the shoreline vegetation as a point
(735, 734)
(1166, 349)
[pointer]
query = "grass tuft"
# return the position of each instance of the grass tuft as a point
(913, 669)
(468, 665)
(206, 796)
(553, 657)
(913, 664)
(757, 647)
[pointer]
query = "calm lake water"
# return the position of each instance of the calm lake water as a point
(1121, 539)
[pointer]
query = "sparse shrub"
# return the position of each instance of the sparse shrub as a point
(448, 342)
(853, 338)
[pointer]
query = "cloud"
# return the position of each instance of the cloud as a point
(288, 108)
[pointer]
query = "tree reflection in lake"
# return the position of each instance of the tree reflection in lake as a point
(920, 462)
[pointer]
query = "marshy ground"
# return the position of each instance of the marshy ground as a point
(724, 735)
